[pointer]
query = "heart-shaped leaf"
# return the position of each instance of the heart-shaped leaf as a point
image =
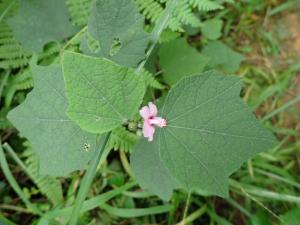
(102, 95)
(118, 27)
(41, 21)
(61, 145)
(210, 133)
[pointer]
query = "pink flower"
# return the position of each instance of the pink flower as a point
(149, 114)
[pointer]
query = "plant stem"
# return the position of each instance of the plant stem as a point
(239, 207)
(125, 163)
(14, 208)
(91, 203)
(87, 179)
(13, 154)
(157, 30)
(13, 183)
(84, 29)
(282, 108)
(7, 10)
(186, 208)
(193, 216)
(3, 83)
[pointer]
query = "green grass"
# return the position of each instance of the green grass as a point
(264, 191)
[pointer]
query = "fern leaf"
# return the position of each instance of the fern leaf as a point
(150, 80)
(205, 5)
(151, 9)
(49, 186)
(122, 139)
(21, 81)
(12, 55)
(185, 14)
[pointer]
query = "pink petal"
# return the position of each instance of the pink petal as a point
(148, 131)
(158, 121)
(152, 109)
(145, 112)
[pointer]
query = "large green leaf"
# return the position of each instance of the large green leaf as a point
(61, 145)
(41, 21)
(178, 59)
(150, 171)
(222, 57)
(118, 27)
(102, 95)
(210, 133)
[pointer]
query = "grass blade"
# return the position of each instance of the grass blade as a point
(13, 183)
(88, 179)
(132, 213)
(91, 203)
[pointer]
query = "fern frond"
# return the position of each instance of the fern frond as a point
(21, 81)
(122, 139)
(150, 80)
(12, 55)
(49, 186)
(205, 5)
(185, 15)
(151, 9)
(50, 54)
(79, 11)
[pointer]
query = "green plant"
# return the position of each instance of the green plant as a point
(93, 84)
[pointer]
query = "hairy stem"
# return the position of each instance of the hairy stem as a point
(158, 29)
(88, 179)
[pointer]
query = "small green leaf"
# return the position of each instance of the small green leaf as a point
(39, 22)
(102, 95)
(210, 133)
(222, 57)
(118, 27)
(178, 59)
(61, 145)
(211, 29)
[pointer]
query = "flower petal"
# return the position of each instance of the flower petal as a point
(148, 131)
(152, 109)
(145, 112)
(158, 121)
